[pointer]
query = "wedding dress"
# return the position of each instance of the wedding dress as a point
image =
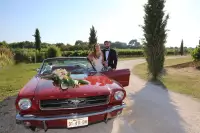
(98, 63)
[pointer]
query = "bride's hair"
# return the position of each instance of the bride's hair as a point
(95, 54)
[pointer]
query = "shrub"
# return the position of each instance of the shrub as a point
(75, 53)
(196, 53)
(24, 55)
(53, 51)
(5, 60)
(6, 56)
(6, 51)
(129, 52)
(40, 56)
(67, 53)
(28, 55)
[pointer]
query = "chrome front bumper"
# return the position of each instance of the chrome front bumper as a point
(20, 118)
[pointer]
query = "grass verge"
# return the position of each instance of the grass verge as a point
(13, 78)
(129, 58)
(182, 80)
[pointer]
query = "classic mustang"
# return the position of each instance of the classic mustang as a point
(69, 92)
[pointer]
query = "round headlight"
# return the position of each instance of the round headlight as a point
(119, 95)
(24, 104)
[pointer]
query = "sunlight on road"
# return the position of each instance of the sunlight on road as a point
(120, 125)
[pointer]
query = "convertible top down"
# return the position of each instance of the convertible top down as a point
(69, 92)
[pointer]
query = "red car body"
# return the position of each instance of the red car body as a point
(46, 100)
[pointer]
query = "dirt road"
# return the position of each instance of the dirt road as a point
(150, 109)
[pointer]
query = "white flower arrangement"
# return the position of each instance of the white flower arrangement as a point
(63, 79)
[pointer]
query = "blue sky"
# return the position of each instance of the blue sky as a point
(116, 20)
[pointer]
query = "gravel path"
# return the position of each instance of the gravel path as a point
(150, 109)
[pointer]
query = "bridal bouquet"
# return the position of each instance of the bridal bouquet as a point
(63, 79)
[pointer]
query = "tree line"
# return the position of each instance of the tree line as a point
(81, 45)
(78, 45)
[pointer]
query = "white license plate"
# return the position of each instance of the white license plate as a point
(77, 122)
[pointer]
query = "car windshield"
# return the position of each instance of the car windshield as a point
(73, 65)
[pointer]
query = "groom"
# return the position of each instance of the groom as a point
(110, 56)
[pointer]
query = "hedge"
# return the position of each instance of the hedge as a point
(28, 55)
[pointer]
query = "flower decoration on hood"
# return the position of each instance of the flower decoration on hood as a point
(62, 78)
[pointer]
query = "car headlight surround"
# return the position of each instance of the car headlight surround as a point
(119, 95)
(24, 103)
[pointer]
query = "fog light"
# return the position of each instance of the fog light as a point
(27, 124)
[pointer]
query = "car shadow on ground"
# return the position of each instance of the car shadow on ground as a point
(151, 110)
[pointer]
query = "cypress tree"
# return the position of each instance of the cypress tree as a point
(155, 36)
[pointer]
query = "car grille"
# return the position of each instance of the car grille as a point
(74, 103)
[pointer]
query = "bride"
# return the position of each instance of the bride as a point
(96, 57)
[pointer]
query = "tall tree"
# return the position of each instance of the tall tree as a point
(3, 44)
(93, 37)
(181, 48)
(37, 39)
(155, 36)
(78, 42)
(134, 43)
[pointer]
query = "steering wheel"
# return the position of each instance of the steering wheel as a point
(81, 66)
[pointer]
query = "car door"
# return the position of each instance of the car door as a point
(122, 76)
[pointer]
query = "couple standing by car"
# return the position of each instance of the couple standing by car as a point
(103, 58)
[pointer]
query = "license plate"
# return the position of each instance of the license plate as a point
(77, 122)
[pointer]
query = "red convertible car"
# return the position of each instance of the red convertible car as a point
(84, 97)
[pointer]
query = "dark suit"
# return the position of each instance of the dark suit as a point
(112, 58)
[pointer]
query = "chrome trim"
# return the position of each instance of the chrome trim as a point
(108, 101)
(70, 116)
(28, 115)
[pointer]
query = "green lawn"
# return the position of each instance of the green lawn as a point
(184, 80)
(13, 78)
(130, 58)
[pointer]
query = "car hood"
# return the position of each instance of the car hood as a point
(98, 85)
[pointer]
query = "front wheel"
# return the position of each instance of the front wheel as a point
(32, 128)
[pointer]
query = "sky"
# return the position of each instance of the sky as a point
(116, 20)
